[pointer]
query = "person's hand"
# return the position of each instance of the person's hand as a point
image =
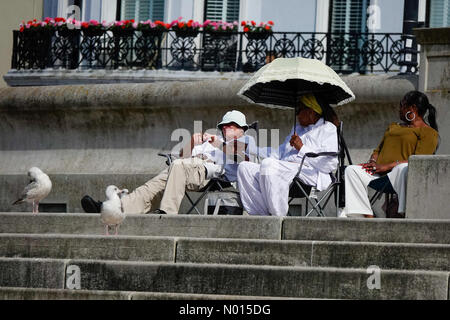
(372, 167)
(212, 139)
(296, 142)
(197, 138)
(209, 137)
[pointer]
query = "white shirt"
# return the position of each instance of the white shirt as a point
(218, 163)
(318, 137)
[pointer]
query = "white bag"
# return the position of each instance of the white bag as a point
(223, 202)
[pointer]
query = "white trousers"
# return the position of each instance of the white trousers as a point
(357, 201)
(264, 187)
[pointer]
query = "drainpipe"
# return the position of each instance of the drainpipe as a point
(408, 63)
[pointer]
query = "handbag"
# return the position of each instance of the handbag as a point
(390, 206)
(223, 203)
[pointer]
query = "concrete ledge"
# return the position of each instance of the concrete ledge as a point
(87, 247)
(60, 294)
(65, 294)
(428, 188)
(229, 251)
(32, 273)
(369, 230)
(237, 227)
(259, 281)
(242, 227)
(315, 254)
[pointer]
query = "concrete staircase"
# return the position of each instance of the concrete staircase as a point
(225, 257)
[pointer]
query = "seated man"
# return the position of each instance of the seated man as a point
(212, 157)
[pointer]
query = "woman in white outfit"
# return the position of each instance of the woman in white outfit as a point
(401, 140)
(264, 187)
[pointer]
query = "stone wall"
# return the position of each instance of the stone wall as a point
(88, 136)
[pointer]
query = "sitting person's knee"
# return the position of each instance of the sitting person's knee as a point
(267, 162)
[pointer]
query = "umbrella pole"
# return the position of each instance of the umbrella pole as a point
(295, 119)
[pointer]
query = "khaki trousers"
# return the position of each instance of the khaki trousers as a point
(168, 187)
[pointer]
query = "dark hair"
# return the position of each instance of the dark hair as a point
(420, 100)
(328, 113)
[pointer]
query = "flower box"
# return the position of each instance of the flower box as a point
(119, 33)
(152, 32)
(186, 33)
(258, 35)
(221, 35)
(91, 32)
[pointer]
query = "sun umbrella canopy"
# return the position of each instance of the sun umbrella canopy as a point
(283, 81)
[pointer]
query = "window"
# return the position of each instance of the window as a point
(222, 10)
(142, 10)
(349, 15)
(439, 13)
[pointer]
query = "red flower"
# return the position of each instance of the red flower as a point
(243, 23)
(85, 25)
(21, 29)
(246, 29)
(253, 23)
(270, 22)
(189, 24)
(180, 24)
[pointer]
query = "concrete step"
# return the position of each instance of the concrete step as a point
(145, 225)
(11, 293)
(218, 279)
(228, 251)
(237, 227)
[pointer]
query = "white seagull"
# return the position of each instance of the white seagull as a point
(38, 188)
(112, 211)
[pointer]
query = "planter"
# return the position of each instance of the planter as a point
(66, 32)
(123, 32)
(92, 32)
(220, 35)
(186, 33)
(258, 35)
(152, 32)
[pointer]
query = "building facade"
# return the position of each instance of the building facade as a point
(316, 17)
(288, 15)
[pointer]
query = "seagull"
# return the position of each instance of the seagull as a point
(112, 213)
(38, 188)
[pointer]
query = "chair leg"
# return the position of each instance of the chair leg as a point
(198, 200)
(192, 203)
(317, 207)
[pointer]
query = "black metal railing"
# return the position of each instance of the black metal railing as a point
(76, 49)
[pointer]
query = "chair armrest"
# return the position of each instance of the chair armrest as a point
(320, 154)
(168, 156)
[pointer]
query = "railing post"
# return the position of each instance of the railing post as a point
(14, 49)
(239, 60)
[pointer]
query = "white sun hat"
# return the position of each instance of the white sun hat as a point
(234, 116)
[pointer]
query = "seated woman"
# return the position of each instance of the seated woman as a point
(264, 187)
(401, 140)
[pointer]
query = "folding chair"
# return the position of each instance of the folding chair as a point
(215, 184)
(299, 189)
